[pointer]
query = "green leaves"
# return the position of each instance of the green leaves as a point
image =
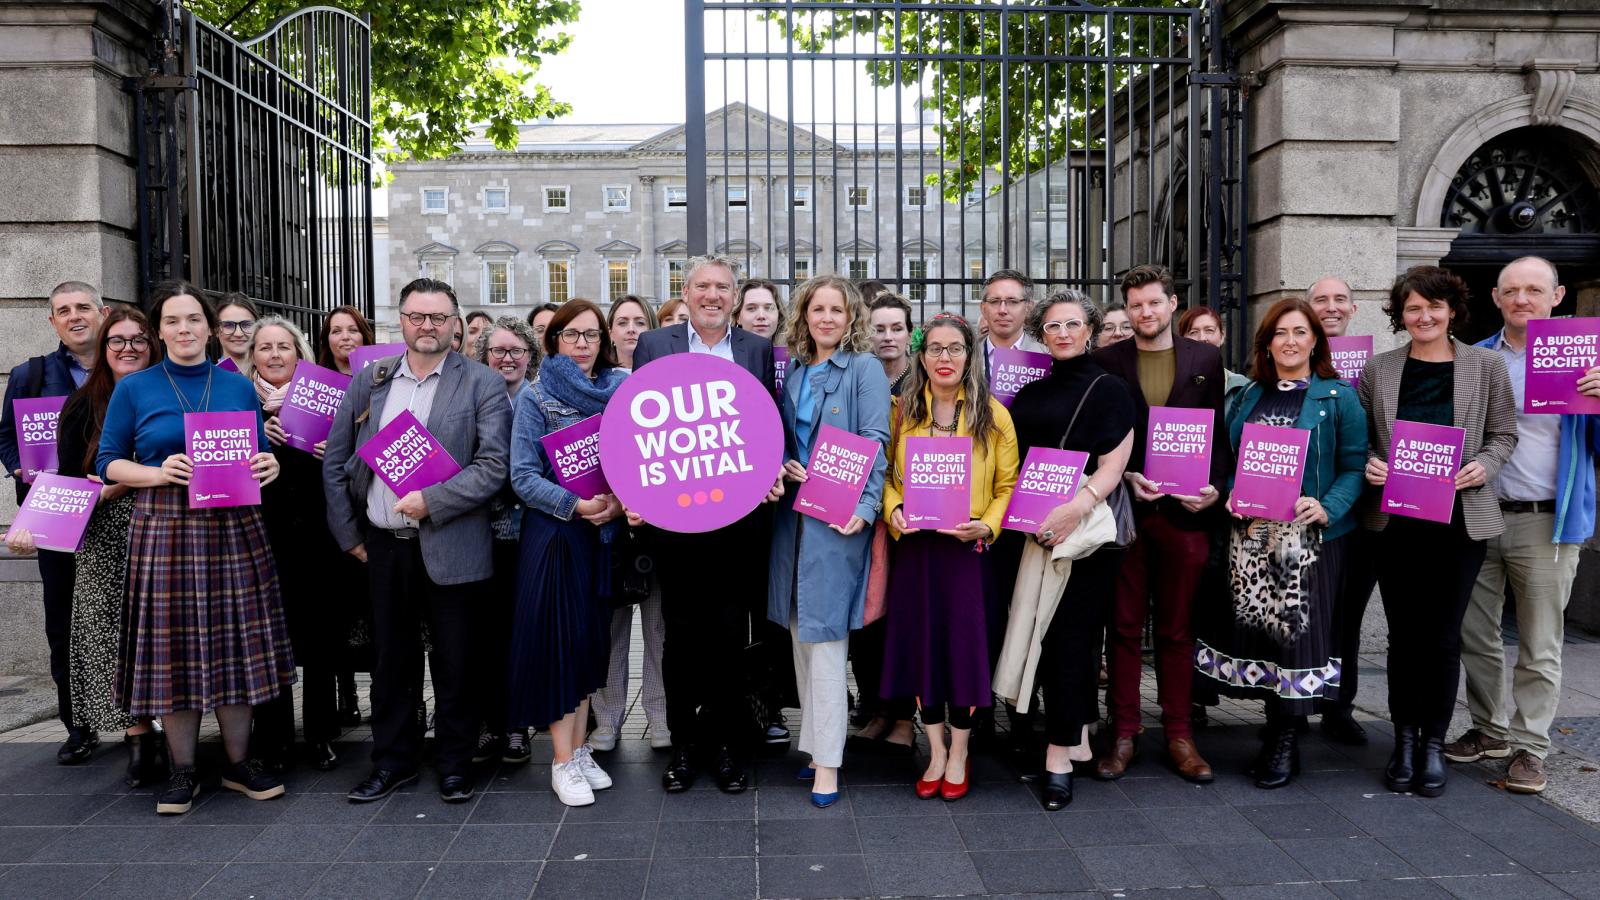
(440, 67)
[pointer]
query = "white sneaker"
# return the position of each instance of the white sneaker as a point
(660, 737)
(597, 778)
(567, 780)
(603, 738)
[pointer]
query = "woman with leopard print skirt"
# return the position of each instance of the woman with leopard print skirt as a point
(1280, 644)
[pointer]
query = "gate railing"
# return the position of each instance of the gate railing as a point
(256, 163)
(869, 141)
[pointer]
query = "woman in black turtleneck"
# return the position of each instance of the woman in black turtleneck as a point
(1047, 414)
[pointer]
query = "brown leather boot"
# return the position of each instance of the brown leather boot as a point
(1188, 761)
(1113, 764)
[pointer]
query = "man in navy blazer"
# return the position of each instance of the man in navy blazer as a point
(707, 579)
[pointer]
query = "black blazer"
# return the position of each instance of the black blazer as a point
(751, 351)
(1198, 382)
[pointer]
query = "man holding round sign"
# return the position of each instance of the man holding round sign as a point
(692, 445)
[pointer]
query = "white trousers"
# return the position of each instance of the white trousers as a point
(819, 672)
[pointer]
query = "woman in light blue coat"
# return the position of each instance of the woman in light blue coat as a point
(817, 585)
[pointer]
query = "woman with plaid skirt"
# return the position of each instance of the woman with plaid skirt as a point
(203, 626)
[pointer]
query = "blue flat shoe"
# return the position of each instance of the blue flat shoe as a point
(806, 773)
(823, 801)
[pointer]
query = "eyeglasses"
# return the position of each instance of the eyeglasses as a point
(571, 336)
(1062, 327)
(949, 351)
(244, 326)
(1121, 328)
(139, 343)
(1007, 302)
(416, 319)
(508, 352)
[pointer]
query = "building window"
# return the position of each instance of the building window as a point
(972, 197)
(437, 268)
(1060, 268)
(557, 280)
(858, 269)
(975, 273)
(555, 199)
(858, 196)
(617, 198)
(916, 196)
(496, 200)
(677, 197)
(738, 196)
(674, 279)
(802, 269)
(800, 196)
(434, 201)
(619, 279)
(1058, 195)
(916, 271)
(497, 281)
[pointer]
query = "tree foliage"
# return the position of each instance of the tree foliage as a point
(1043, 108)
(439, 67)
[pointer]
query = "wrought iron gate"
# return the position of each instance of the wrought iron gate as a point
(255, 162)
(926, 144)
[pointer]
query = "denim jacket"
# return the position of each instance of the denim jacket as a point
(505, 510)
(532, 477)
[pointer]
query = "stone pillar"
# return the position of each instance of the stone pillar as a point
(646, 280)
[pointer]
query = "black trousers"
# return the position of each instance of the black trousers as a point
(1360, 577)
(1426, 571)
(403, 597)
(493, 614)
(56, 572)
(705, 582)
(1069, 657)
(273, 722)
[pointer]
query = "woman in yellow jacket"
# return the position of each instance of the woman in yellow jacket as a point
(940, 584)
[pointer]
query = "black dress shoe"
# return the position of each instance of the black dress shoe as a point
(1057, 790)
(730, 778)
(1431, 768)
(1341, 727)
(679, 775)
(322, 756)
(455, 789)
(1401, 772)
(1279, 760)
(380, 784)
(78, 748)
(147, 759)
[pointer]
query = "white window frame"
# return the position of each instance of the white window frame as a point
(976, 269)
(565, 261)
(806, 263)
(444, 201)
(800, 197)
(743, 199)
(504, 192)
(605, 198)
(868, 269)
(916, 291)
(449, 267)
(666, 198)
(511, 279)
(666, 277)
(1066, 190)
(566, 194)
(906, 199)
(605, 279)
(867, 188)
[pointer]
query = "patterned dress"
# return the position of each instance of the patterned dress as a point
(97, 598)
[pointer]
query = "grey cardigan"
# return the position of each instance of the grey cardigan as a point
(1484, 407)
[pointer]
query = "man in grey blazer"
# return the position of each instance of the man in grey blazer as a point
(428, 552)
(708, 580)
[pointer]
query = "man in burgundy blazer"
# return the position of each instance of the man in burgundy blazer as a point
(1164, 563)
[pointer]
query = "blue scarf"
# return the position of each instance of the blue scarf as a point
(566, 384)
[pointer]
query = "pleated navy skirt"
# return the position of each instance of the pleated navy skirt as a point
(561, 637)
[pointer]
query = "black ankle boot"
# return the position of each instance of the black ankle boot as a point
(1280, 759)
(146, 759)
(1430, 767)
(1400, 774)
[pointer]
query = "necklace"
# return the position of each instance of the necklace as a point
(183, 402)
(955, 421)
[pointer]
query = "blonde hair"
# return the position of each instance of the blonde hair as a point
(796, 335)
(302, 347)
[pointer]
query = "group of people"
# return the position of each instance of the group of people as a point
(520, 593)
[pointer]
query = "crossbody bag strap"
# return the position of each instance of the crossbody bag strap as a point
(1062, 444)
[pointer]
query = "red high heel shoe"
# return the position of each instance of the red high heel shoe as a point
(952, 792)
(927, 790)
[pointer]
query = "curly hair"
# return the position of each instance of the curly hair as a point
(1434, 283)
(914, 404)
(796, 335)
(518, 327)
(1092, 316)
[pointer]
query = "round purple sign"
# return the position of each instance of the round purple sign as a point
(691, 442)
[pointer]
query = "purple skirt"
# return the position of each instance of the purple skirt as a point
(936, 649)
